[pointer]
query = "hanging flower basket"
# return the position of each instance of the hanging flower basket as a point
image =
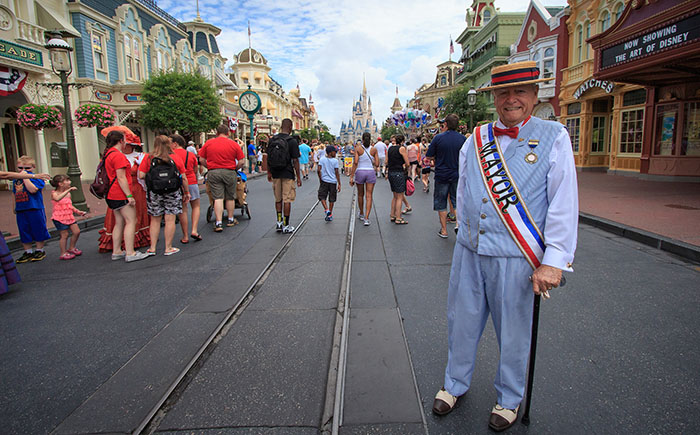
(39, 116)
(94, 115)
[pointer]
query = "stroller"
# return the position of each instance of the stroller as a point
(241, 193)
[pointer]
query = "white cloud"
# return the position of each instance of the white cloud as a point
(326, 46)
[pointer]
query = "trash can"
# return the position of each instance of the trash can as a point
(59, 154)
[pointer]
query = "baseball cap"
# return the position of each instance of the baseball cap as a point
(330, 149)
(190, 142)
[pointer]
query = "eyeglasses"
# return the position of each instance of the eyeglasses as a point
(24, 167)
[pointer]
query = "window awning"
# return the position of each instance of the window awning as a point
(482, 47)
(270, 105)
(244, 75)
(267, 78)
(258, 75)
(296, 114)
(222, 80)
(53, 20)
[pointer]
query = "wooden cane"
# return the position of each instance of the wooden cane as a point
(533, 351)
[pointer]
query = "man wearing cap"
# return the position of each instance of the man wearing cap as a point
(516, 237)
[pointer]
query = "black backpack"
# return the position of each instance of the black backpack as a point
(278, 153)
(100, 187)
(163, 177)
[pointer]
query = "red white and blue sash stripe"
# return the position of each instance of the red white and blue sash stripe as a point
(506, 197)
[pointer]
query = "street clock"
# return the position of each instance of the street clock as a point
(250, 102)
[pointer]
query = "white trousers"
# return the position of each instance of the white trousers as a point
(480, 285)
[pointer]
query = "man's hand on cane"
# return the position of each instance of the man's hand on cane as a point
(545, 278)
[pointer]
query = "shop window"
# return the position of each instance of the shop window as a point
(605, 21)
(588, 35)
(598, 134)
(631, 131)
(548, 63)
(634, 98)
(132, 51)
(573, 125)
(666, 128)
(573, 109)
(486, 16)
(579, 42)
(98, 51)
(690, 144)
(618, 10)
(443, 81)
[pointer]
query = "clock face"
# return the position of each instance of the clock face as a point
(249, 102)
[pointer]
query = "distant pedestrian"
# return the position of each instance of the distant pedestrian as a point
(425, 164)
(364, 176)
(120, 199)
(304, 152)
(444, 151)
(252, 157)
(30, 212)
(413, 153)
(282, 164)
(222, 157)
(258, 156)
(166, 181)
(328, 176)
(63, 216)
(397, 166)
(189, 160)
(381, 148)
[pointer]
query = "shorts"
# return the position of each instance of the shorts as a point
(382, 161)
(32, 226)
(425, 170)
(166, 203)
(194, 191)
(222, 183)
(440, 192)
(285, 189)
(365, 176)
(397, 181)
(303, 166)
(328, 190)
(60, 226)
(116, 204)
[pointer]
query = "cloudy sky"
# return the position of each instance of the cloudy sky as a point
(326, 46)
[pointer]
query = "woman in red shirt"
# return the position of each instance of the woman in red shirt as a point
(168, 204)
(190, 161)
(120, 199)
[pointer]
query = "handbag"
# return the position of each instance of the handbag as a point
(410, 187)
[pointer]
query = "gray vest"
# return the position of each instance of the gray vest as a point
(481, 230)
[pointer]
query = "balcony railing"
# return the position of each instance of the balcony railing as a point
(487, 56)
(30, 32)
(578, 72)
(151, 4)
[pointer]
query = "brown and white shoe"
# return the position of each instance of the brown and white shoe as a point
(444, 402)
(502, 418)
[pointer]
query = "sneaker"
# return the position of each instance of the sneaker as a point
(330, 218)
(366, 222)
(26, 257)
(231, 222)
(38, 255)
(218, 228)
(280, 226)
(138, 255)
(288, 229)
(67, 256)
(361, 216)
(118, 256)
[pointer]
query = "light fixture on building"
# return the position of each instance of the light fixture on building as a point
(471, 97)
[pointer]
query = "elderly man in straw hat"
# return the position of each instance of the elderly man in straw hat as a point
(517, 205)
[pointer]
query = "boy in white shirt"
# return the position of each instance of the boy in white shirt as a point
(328, 177)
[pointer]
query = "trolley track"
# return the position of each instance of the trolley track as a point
(155, 416)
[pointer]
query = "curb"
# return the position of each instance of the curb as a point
(15, 244)
(677, 247)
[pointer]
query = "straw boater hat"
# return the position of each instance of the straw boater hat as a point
(515, 74)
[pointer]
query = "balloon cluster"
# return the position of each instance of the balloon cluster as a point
(410, 117)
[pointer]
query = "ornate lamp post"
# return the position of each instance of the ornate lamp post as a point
(59, 51)
(471, 101)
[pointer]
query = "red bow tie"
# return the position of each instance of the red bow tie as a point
(511, 132)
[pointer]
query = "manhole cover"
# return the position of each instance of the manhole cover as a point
(682, 207)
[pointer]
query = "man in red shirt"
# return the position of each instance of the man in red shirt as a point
(222, 157)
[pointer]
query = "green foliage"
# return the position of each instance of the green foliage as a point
(388, 131)
(327, 136)
(178, 101)
(308, 133)
(456, 102)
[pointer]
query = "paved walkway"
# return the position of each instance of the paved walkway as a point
(669, 209)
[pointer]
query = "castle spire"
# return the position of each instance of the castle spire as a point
(364, 86)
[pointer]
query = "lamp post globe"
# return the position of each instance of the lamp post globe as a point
(59, 51)
(471, 101)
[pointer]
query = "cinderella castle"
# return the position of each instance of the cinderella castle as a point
(362, 120)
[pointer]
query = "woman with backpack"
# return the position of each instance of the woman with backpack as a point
(166, 189)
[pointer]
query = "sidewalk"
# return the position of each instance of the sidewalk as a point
(667, 209)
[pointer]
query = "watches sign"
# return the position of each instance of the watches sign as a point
(649, 43)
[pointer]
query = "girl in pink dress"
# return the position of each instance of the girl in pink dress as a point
(63, 216)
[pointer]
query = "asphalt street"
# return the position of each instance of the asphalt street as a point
(91, 345)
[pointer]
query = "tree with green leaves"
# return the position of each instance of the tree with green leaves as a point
(456, 102)
(388, 131)
(182, 102)
(308, 134)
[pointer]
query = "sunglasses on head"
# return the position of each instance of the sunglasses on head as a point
(24, 167)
